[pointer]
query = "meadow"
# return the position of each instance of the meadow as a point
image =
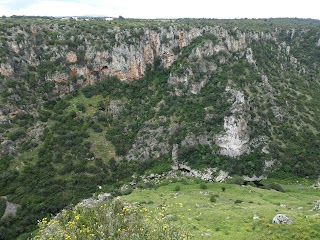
(193, 209)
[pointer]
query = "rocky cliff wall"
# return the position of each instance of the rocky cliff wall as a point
(124, 53)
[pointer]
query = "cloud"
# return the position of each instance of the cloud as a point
(63, 8)
(18, 4)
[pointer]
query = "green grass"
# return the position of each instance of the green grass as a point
(23, 159)
(190, 213)
(101, 147)
(90, 104)
(192, 209)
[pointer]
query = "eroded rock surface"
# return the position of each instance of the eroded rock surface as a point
(234, 141)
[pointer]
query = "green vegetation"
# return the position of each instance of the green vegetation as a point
(110, 220)
(3, 205)
(243, 212)
(63, 134)
(221, 218)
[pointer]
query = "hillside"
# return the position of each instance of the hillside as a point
(215, 211)
(94, 104)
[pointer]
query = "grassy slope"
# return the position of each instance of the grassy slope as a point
(191, 208)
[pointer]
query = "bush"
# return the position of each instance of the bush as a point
(19, 133)
(213, 199)
(96, 128)
(235, 180)
(223, 189)
(128, 191)
(3, 205)
(177, 188)
(276, 187)
(203, 186)
(113, 220)
(80, 106)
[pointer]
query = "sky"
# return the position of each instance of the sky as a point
(164, 8)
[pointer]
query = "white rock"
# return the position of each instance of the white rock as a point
(281, 219)
(234, 141)
(254, 178)
(317, 206)
(222, 176)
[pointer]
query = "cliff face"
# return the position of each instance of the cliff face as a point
(202, 61)
(122, 53)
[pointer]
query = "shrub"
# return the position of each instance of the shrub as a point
(19, 133)
(235, 180)
(203, 186)
(3, 205)
(252, 184)
(223, 189)
(213, 199)
(80, 106)
(111, 220)
(96, 127)
(177, 188)
(276, 187)
(128, 191)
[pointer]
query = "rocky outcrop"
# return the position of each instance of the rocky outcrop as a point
(6, 70)
(182, 169)
(281, 219)
(150, 143)
(234, 141)
(11, 209)
(7, 146)
(253, 178)
(115, 108)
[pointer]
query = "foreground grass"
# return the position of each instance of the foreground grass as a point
(193, 210)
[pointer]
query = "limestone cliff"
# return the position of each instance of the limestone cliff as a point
(234, 141)
(222, 66)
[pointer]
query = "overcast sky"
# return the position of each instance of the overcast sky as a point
(164, 8)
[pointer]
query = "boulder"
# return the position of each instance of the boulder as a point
(281, 219)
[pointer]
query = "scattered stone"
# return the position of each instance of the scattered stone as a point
(317, 206)
(281, 219)
(205, 234)
(316, 185)
(255, 216)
